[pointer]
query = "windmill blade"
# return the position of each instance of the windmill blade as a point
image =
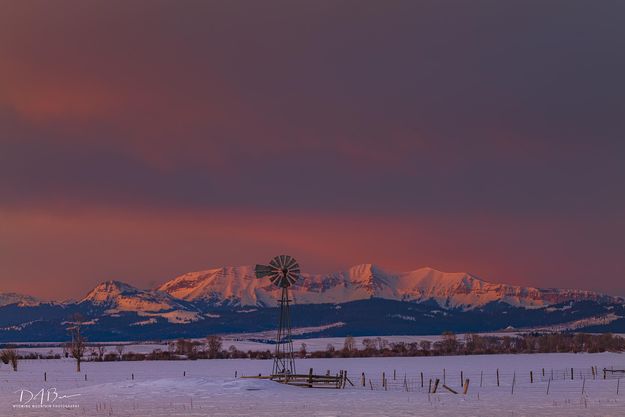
(275, 263)
(291, 263)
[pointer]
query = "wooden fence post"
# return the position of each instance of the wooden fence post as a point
(436, 385)
(394, 375)
(430, 387)
(497, 376)
(364, 381)
(513, 382)
(461, 378)
(548, 385)
(444, 376)
(481, 378)
(531, 377)
(45, 376)
(571, 374)
(466, 386)
(421, 379)
(310, 377)
(453, 391)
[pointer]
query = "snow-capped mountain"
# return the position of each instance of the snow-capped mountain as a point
(21, 300)
(365, 299)
(116, 297)
(239, 286)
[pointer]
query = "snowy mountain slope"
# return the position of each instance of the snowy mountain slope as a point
(116, 297)
(238, 286)
(19, 299)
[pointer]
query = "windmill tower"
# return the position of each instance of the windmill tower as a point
(283, 271)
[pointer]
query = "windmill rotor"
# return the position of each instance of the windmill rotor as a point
(283, 271)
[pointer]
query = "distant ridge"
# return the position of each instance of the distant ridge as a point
(238, 285)
(364, 299)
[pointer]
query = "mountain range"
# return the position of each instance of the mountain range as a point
(362, 300)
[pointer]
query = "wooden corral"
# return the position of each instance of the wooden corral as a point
(309, 380)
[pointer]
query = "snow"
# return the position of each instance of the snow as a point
(117, 296)
(209, 388)
(458, 290)
(19, 299)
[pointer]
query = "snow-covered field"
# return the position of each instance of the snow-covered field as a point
(209, 388)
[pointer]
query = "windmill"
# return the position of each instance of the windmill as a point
(283, 271)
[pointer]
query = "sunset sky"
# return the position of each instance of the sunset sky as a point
(143, 139)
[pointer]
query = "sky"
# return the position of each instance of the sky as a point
(142, 140)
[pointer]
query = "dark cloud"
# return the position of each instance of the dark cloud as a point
(412, 109)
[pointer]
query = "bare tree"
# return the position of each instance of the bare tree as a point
(120, 351)
(9, 356)
(78, 345)
(214, 346)
(303, 350)
(349, 344)
(101, 351)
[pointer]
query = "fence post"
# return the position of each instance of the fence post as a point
(364, 381)
(531, 377)
(466, 386)
(548, 385)
(513, 382)
(481, 378)
(436, 385)
(394, 375)
(497, 376)
(45, 376)
(618, 383)
(430, 387)
(583, 386)
(421, 379)
(132, 376)
(571, 374)
(444, 376)
(461, 378)
(310, 377)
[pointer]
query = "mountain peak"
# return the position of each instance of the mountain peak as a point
(116, 297)
(107, 291)
(239, 286)
(21, 300)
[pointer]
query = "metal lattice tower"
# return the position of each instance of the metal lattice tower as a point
(283, 271)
